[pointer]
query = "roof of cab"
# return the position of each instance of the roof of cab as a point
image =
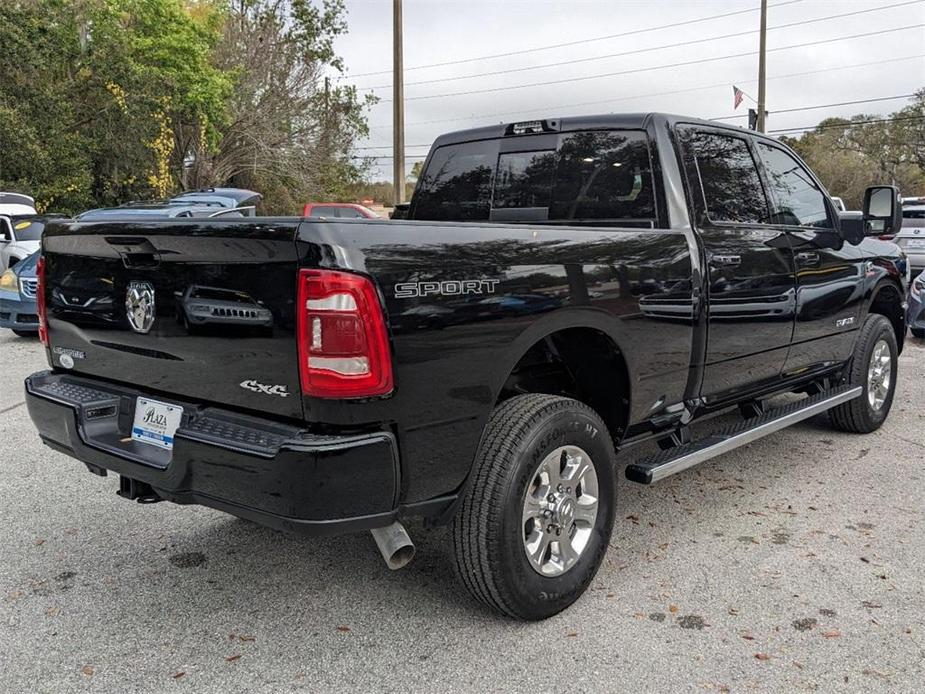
(570, 123)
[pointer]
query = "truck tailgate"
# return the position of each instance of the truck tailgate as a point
(201, 310)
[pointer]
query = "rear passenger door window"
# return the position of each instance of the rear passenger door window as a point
(796, 200)
(732, 190)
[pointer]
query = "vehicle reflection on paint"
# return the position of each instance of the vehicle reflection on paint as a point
(623, 267)
(230, 311)
(82, 299)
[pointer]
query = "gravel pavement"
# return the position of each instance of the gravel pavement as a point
(793, 564)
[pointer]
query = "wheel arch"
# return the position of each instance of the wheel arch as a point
(560, 336)
(886, 299)
(562, 321)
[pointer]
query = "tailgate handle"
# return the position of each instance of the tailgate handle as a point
(140, 260)
(136, 252)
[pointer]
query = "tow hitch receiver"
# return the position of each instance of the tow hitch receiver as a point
(139, 491)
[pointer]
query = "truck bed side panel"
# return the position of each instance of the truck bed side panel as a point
(466, 301)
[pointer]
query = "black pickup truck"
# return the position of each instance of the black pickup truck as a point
(561, 290)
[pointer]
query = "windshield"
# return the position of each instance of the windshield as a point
(27, 228)
(217, 294)
(600, 177)
(124, 213)
(213, 200)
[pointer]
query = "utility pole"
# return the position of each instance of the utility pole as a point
(762, 45)
(398, 107)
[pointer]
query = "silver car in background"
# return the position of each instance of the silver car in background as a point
(911, 238)
(915, 314)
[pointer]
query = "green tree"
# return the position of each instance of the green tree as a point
(849, 154)
(290, 126)
(93, 94)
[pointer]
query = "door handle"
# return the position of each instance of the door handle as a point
(725, 260)
(807, 258)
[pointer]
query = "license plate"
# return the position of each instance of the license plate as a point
(156, 422)
(915, 243)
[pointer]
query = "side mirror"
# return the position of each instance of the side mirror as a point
(852, 227)
(883, 210)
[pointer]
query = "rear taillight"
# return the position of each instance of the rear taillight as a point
(343, 341)
(886, 237)
(40, 300)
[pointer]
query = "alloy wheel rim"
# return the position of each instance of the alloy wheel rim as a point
(559, 510)
(879, 374)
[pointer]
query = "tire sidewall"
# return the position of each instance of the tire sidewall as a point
(535, 595)
(884, 331)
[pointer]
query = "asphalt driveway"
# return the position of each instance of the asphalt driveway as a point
(796, 563)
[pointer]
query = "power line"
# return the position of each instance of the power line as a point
(744, 80)
(783, 110)
(648, 49)
(553, 46)
(848, 124)
(662, 67)
(390, 157)
(811, 108)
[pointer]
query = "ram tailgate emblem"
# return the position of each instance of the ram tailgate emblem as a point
(139, 306)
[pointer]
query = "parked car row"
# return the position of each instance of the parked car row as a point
(21, 231)
(18, 286)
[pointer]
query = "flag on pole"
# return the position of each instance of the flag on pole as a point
(737, 96)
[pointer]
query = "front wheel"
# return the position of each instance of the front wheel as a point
(873, 367)
(535, 521)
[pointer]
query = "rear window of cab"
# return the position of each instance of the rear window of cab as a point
(597, 177)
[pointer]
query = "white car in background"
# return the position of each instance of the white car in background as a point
(12, 206)
(16, 203)
(20, 237)
(911, 237)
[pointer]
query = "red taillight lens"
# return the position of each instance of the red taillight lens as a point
(886, 237)
(343, 341)
(40, 300)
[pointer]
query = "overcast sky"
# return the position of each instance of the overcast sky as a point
(440, 31)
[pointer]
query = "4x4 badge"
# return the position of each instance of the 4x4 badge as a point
(139, 306)
(253, 385)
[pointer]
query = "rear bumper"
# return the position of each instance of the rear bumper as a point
(18, 315)
(272, 473)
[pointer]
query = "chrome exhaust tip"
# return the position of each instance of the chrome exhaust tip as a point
(394, 544)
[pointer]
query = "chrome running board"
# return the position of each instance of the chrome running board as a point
(661, 465)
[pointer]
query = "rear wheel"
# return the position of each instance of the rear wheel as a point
(873, 367)
(919, 333)
(535, 522)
